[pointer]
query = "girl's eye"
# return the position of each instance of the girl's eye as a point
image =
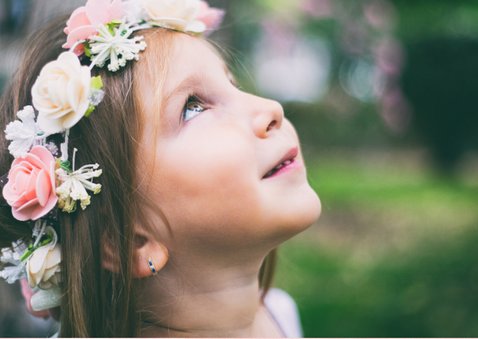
(192, 108)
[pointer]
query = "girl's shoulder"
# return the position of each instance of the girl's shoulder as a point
(284, 311)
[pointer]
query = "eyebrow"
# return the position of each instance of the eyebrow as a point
(193, 81)
(186, 85)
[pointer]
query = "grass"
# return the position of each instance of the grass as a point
(393, 254)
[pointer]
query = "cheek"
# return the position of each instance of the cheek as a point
(204, 181)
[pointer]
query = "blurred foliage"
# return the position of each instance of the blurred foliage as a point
(441, 82)
(394, 254)
(430, 292)
(320, 127)
(438, 18)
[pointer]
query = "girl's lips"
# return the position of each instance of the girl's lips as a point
(288, 162)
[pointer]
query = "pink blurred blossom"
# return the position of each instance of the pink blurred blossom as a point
(395, 110)
(317, 8)
(211, 17)
(389, 56)
(380, 14)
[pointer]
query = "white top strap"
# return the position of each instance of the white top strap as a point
(284, 310)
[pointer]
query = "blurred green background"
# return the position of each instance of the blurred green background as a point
(383, 95)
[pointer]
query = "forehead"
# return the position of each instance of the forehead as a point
(192, 59)
(173, 60)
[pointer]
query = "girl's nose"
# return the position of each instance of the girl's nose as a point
(267, 116)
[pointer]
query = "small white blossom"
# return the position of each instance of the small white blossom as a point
(12, 256)
(96, 96)
(74, 186)
(52, 148)
(117, 47)
(13, 273)
(23, 133)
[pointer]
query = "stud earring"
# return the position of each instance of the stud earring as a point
(151, 266)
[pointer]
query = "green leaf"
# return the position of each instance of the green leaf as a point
(96, 83)
(66, 165)
(112, 25)
(26, 254)
(90, 110)
(87, 49)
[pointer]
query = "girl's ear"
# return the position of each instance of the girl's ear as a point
(149, 255)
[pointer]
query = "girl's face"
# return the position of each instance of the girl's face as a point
(212, 149)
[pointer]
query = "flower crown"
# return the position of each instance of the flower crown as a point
(42, 179)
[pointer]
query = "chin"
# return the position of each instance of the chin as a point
(309, 211)
(299, 216)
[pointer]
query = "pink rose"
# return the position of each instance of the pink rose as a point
(211, 17)
(84, 21)
(30, 189)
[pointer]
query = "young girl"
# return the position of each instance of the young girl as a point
(145, 192)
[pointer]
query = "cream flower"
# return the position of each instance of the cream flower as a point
(43, 266)
(134, 11)
(180, 15)
(61, 93)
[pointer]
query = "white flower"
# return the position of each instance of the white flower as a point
(12, 273)
(12, 256)
(23, 133)
(43, 266)
(39, 261)
(74, 187)
(174, 14)
(61, 92)
(134, 12)
(46, 299)
(117, 47)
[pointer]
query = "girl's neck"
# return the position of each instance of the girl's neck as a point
(208, 302)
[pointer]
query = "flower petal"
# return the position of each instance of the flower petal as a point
(103, 11)
(77, 34)
(50, 126)
(53, 258)
(77, 18)
(44, 155)
(35, 265)
(43, 187)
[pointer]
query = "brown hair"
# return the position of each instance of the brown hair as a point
(96, 302)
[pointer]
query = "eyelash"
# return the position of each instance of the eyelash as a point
(197, 105)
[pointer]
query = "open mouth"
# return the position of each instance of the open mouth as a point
(285, 162)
